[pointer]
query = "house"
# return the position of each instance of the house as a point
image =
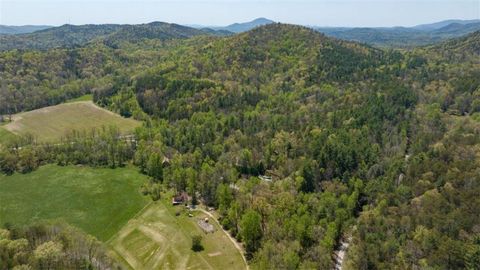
(180, 198)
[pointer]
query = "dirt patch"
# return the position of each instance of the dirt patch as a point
(205, 226)
(214, 254)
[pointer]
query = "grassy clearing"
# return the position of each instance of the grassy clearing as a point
(88, 97)
(158, 239)
(99, 201)
(51, 123)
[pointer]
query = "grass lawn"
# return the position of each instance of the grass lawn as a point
(5, 135)
(49, 124)
(99, 201)
(158, 239)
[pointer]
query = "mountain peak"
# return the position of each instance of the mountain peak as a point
(438, 25)
(243, 27)
(262, 20)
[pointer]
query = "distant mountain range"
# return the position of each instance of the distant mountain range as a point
(111, 34)
(23, 29)
(468, 44)
(404, 36)
(45, 37)
(438, 25)
(237, 27)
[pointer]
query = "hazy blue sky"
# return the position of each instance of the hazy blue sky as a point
(222, 12)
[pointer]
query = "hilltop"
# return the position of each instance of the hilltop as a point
(276, 48)
(153, 30)
(243, 27)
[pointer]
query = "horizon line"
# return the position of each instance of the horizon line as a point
(198, 25)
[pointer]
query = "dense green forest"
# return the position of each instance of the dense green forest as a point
(380, 145)
(51, 246)
(404, 37)
(72, 36)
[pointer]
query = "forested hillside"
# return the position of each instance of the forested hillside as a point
(405, 37)
(296, 138)
(71, 36)
(12, 30)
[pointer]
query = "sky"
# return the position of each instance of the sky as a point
(358, 13)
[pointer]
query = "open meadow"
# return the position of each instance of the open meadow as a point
(98, 200)
(49, 124)
(158, 238)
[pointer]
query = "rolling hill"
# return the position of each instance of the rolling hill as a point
(68, 36)
(154, 30)
(64, 36)
(441, 24)
(457, 29)
(404, 36)
(459, 49)
(275, 48)
(23, 29)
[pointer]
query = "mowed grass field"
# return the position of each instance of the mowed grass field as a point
(49, 124)
(98, 200)
(158, 239)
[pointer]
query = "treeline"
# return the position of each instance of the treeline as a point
(52, 246)
(98, 147)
